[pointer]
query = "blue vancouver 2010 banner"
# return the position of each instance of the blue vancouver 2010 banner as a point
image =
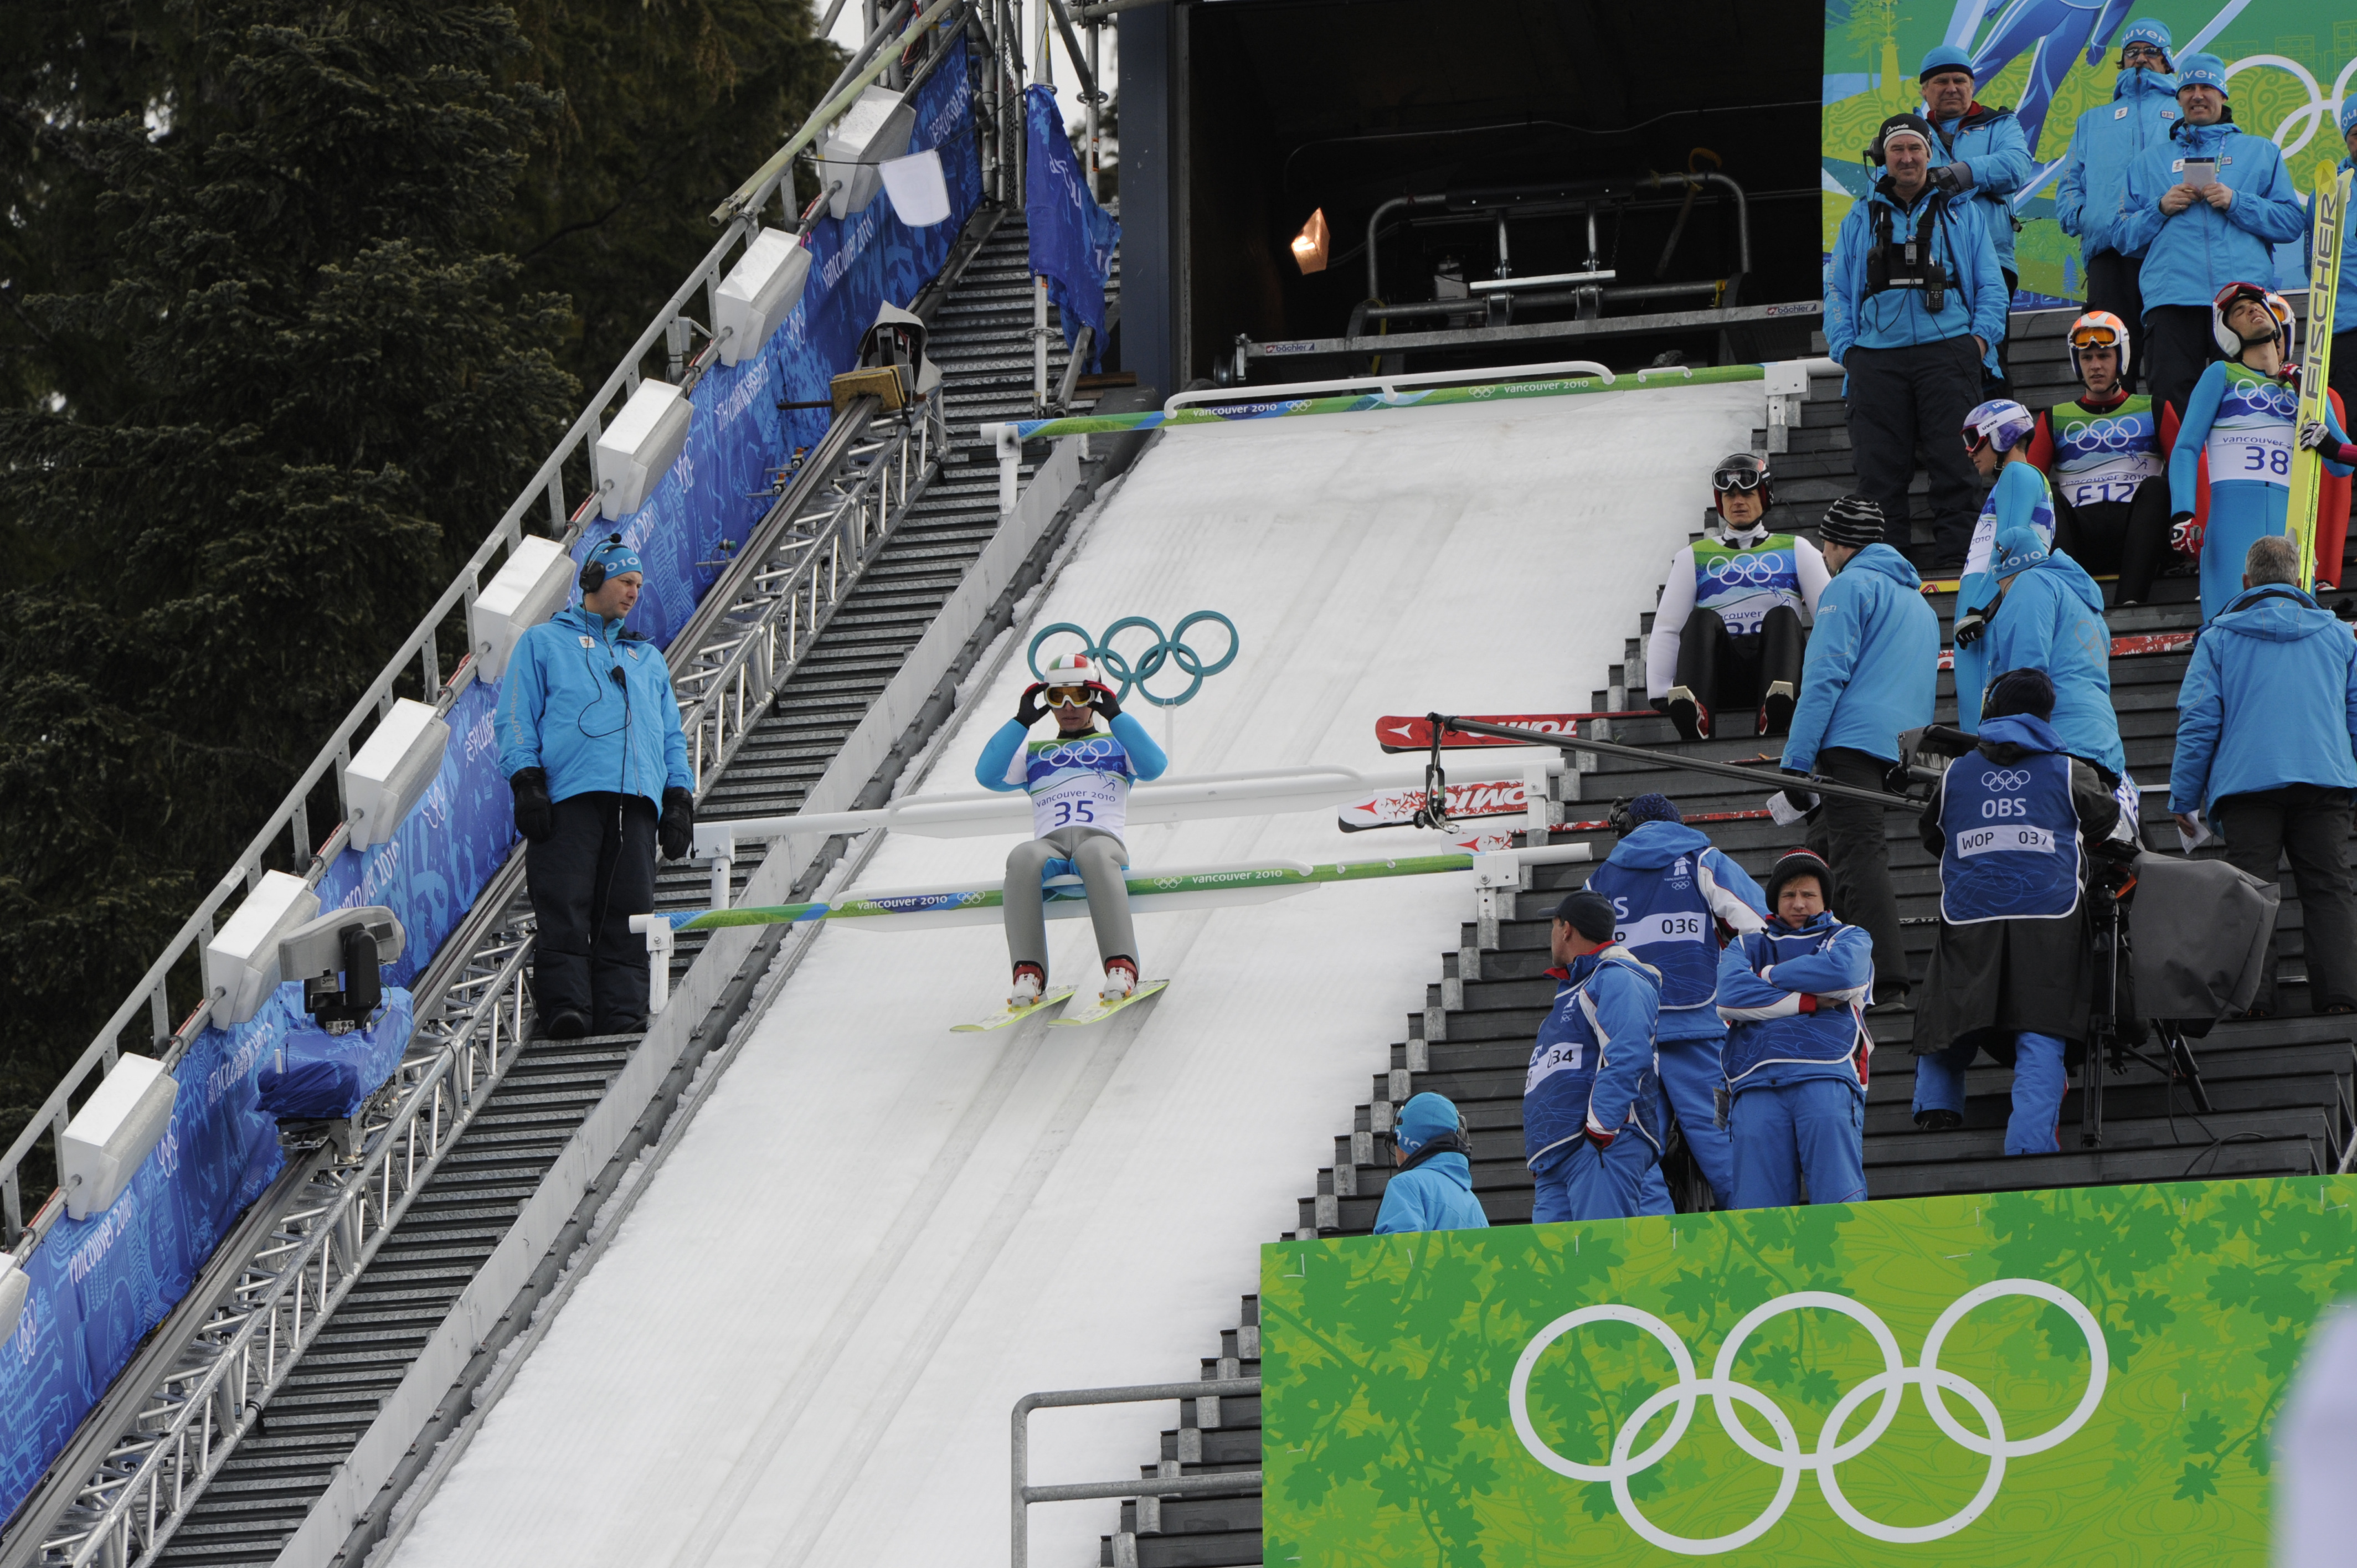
(98, 1285)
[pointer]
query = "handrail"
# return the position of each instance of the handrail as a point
(1387, 382)
(1169, 1483)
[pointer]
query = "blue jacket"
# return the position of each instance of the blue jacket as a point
(1592, 1066)
(1768, 981)
(561, 710)
(2189, 258)
(1991, 142)
(1873, 666)
(2090, 198)
(1725, 888)
(2269, 699)
(2052, 620)
(1896, 318)
(1435, 1190)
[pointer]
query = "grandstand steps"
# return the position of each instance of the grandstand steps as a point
(1215, 1530)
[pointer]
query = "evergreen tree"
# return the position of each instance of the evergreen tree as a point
(296, 384)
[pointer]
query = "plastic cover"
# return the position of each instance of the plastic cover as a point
(316, 1074)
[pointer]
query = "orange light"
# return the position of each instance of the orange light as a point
(1309, 245)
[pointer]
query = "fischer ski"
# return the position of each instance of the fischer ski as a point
(1396, 733)
(2331, 206)
(1006, 1013)
(1104, 1009)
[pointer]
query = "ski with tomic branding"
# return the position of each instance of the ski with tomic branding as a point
(1007, 1013)
(2331, 206)
(1397, 809)
(1104, 1009)
(1402, 732)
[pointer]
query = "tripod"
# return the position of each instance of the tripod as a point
(2113, 1041)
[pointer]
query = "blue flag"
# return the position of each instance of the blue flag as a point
(1072, 238)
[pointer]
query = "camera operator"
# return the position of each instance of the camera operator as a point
(2013, 823)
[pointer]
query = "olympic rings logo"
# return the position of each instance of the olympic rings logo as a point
(2113, 435)
(1756, 571)
(1079, 754)
(1146, 664)
(2005, 778)
(1831, 1451)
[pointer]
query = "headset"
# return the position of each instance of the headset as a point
(593, 571)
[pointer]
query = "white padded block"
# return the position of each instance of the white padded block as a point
(759, 293)
(533, 585)
(872, 130)
(241, 960)
(108, 1138)
(638, 448)
(393, 770)
(12, 1288)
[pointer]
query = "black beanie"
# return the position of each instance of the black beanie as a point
(1590, 914)
(2023, 690)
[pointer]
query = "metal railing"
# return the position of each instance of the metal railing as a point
(1148, 1491)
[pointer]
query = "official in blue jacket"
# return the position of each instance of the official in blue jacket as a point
(1980, 154)
(1433, 1189)
(590, 742)
(1674, 899)
(1872, 673)
(1793, 993)
(2013, 823)
(2198, 238)
(2090, 195)
(2266, 721)
(1591, 1100)
(2050, 617)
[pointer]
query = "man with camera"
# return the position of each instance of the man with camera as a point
(1915, 303)
(2013, 823)
(1982, 155)
(590, 742)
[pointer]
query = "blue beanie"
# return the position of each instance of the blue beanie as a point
(1947, 57)
(2144, 30)
(2348, 115)
(2203, 70)
(1655, 808)
(617, 557)
(2017, 550)
(1422, 1120)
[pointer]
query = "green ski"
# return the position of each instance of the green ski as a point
(999, 1017)
(1104, 1010)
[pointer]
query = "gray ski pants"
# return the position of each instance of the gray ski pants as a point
(1097, 855)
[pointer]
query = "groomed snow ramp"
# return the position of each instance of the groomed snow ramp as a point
(802, 1346)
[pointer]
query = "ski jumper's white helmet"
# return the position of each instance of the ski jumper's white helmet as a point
(1073, 670)
(2230, 342)
(2100, 329)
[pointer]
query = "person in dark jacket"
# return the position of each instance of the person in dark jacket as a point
(590, 742)
(1591, 1100)
(2013, 823)
(2267, 744)
(1433, 1189)
(1792, 994)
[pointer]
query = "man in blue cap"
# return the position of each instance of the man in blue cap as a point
(591, 745)
(1675, 899)
(2207, 207)
(1592, 1101)
(2091, 193)
(1433, 1189)
(1980, 154)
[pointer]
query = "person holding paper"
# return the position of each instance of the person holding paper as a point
(2206, 207)
(2266, 746)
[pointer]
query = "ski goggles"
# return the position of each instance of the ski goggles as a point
(2095, 337)
(1068, 696)
(1744, 479)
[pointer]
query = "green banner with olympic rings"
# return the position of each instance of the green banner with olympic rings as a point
(2008, 1380)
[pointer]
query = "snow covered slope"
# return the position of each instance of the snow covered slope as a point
(802, 1346)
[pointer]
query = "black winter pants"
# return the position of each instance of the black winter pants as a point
(2309, 825)
(2129, 538)
(595, 872)
(2115, 283)
(1731, 672)
(2178, 348)
(1851, 836)
(1903, 399)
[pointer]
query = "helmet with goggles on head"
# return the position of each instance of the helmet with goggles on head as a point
(1743, 473)
(1072, 680)
(2230, 342)
(2100, 329)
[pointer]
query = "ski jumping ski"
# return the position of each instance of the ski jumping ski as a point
(1104, 1009)
(2331, 208)
(1396, 733)
(999, 1017)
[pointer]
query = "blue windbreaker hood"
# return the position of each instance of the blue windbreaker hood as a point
(2074, 576)
(2027, 731)
(1883, 560)
(1656, 844)
(2268, 612)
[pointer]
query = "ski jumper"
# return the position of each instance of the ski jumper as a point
(1728, 624)
(2107, 465)
(2242, 421)
(2019, 499)
(1674, 896)
(1591, 1079)
(1079, 786)
(1796, 1071)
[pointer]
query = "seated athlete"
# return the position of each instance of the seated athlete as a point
(2107, 456)
(1079, 782)
(1727, 635)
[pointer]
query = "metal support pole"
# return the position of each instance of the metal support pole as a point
(1039, 346)
(1096, 98)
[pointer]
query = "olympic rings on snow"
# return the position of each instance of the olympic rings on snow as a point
(1787, 1453)
(1173, 650)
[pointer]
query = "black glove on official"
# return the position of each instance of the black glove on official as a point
(676, 831)
(535, 817)
(1031, 710)
(1103, 700)
(1970, 629)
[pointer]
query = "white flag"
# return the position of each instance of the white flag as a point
(920, 193)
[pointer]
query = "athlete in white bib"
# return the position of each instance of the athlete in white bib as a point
(1079, 783)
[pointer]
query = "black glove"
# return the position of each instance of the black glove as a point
(1031, 710)
(1947, 181)
(676, 833)
(1102, 699)
(1971, 627)
(535, 817)
(1659, 704)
